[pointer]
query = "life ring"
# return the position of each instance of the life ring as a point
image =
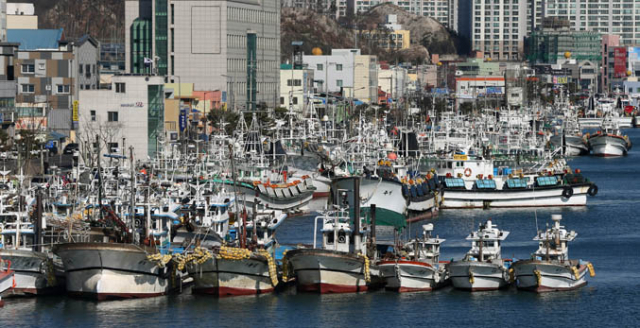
(467, 172)
(567, 192)
(593, 190)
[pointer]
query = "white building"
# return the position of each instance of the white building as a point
(3, 20)
(22, 16)
(295, 88)
(231, 46)
(393, 81)
(602, 16)
(499, 28)
(336, 73)
(130, 114)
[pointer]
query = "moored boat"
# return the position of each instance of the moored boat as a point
(340, 266)
(416, 268)
(550, 268)
(483, 267)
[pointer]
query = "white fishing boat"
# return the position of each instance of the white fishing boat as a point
(416, 268)
(112, 270)
(519, 191)
(340, 266)
(609, 141)
(35, 272)
(550, 268)
(483, 267)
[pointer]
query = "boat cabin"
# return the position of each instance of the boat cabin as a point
(553, 243)
(486, 243)
(425, 249)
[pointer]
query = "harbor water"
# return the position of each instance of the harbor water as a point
(608, 236)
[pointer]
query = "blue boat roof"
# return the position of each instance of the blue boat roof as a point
(35, 39)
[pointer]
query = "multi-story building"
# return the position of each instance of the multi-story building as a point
(600, 16)
(389, 40)
(296, 85)
(131, 113)
(338, 71)
(21, 16)
(233, 46)
(443, 11)
(3, 20)
(549, 45)
(498, 28)
(393, 80)
(8, 52)
(50, 72)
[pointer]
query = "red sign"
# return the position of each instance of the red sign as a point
(619, 62)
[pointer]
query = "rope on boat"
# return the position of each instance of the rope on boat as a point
(538, 276)
(273, 273)
(367, 272)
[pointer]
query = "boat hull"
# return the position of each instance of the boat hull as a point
(552, 276)
(224, 277)
(385, 194)
(110, 271)
(34, 273)
(539, 197)
(409, 276)
(477, 276)
(325, 271)
(608, 146)
(574, 145)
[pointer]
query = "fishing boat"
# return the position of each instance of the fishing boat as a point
(483, 267)
(609, 141)
(340, 266)
(416, 267)
(7, 280)
(35, 271)
(533, 190)
(550, 268)
(104, 271)
(248, 269)
(121, 259)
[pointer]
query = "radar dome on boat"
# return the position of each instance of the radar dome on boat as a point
(556, 217)
(325, 118)
(428, 227)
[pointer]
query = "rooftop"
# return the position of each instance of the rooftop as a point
(41, 39)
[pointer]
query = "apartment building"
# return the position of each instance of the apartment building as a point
(499, 28)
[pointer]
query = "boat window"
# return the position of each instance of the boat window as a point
(330, 238)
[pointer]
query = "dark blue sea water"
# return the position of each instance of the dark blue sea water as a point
(608, 235)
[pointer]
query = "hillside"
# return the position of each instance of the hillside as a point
(100, 18)
(427, 35)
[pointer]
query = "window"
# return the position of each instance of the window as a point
(28, 88)
(120, 88)
(93, 116)
(87, 70)
(28, 68)
(320, 67)
(281, 100)
(338, 67)
(63, 88)
(80, 69)
(81, 87)
(295, 100)
(339, 83)
(113, 147)
(87, 87)
(112, 116)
